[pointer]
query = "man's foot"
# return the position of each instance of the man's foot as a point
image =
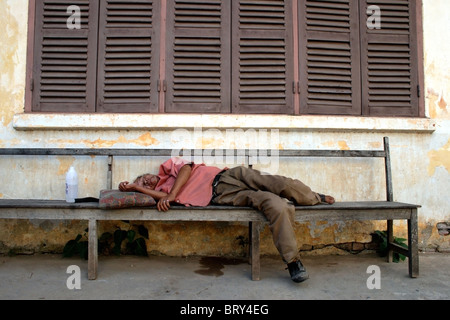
(297, 271)
(326, 199)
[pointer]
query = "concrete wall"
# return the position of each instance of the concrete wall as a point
(420, 156)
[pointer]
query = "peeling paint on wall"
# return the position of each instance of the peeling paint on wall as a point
(437, 105)
(438, 158)
(10, 94)
(145, 140)
(64, 164)
(343, 145)
(375, 145)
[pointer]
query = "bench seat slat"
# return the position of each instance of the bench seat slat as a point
(346, 205)
(340, 211)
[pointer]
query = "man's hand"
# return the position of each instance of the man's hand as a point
(127, 187)
(164, 203)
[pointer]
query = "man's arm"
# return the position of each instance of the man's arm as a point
(182, 178)
(126, 186)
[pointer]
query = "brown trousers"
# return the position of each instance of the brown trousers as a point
(242, 186)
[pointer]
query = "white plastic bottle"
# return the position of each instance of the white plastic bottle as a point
(71, 185)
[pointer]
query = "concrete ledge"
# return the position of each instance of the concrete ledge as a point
(28, 121)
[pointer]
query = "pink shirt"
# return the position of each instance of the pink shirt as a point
(198, 189)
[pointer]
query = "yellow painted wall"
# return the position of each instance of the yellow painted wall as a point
(420, 155)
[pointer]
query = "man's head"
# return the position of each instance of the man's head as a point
(147, 180)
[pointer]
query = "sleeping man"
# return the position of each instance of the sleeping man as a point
(183, 182)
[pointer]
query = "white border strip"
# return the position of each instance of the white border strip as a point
(28, 121)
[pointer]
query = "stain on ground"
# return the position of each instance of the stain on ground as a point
(212, 266)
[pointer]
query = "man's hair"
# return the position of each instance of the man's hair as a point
(141, 176)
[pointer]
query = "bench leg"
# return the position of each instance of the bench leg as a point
(254, 250)
(413, 245)
(250, 225)
(390, 239)
(92, 250)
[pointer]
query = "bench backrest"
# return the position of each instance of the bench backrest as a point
(247, 154)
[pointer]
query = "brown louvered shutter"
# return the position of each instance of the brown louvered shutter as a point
(128, 58)
(198, 56)
(65, 60)
(329, 57)
(389, 59)
(262, 59)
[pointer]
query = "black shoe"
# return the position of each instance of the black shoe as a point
(297, 271)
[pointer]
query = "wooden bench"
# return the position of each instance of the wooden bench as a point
(341, 211)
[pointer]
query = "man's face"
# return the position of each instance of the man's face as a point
(148, 181)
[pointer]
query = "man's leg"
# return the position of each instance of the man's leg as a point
(277, 210)
(291, 189)
(246, 187)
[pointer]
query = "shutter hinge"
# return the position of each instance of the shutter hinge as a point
(31, 84)
(418, 91)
